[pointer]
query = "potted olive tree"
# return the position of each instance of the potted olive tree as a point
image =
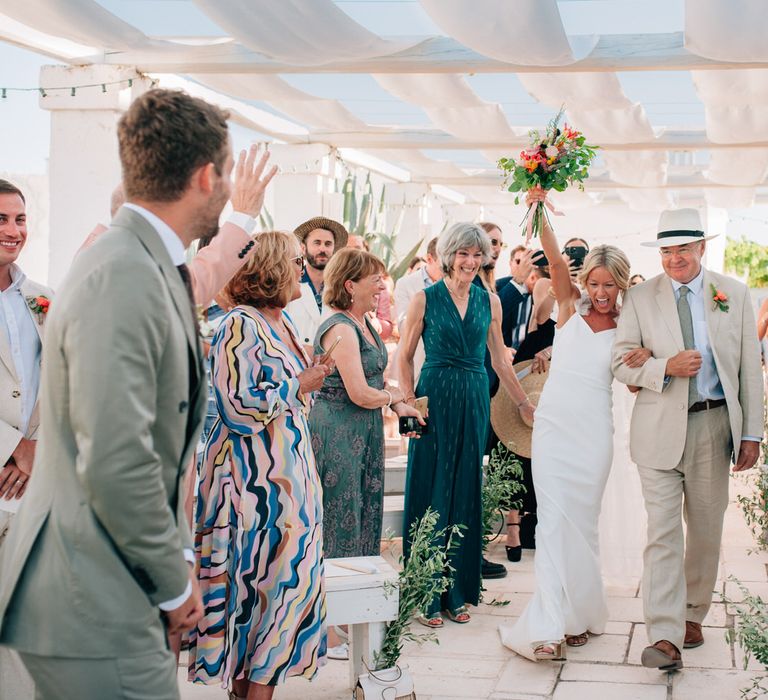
(425, 574)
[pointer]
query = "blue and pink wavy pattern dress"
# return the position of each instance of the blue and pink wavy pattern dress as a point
(258, 523)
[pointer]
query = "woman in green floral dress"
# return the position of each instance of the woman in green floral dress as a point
(346, 420)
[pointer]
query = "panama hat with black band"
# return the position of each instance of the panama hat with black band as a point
(340, 234)
(678, 227)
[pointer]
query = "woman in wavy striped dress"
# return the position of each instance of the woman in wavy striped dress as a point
(258, 529)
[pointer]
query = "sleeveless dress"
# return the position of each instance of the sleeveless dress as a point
(445, 465)
(348, 441)
(259, 516)
(572, 453)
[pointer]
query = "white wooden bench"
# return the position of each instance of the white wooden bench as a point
(359, 600)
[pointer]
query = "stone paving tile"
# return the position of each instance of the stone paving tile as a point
(517, 603)
(515, 582)
(707, 684)
(716, 617)
(452, 686)
(733, 592)
(714, 653)
(455, 666)
(746, 570)
(582, 690)
(625, 590)
(607, 648)
(522, 676)
(625, 609)
(738, 656)
(478, 638)
(614, 627)
(610, 673)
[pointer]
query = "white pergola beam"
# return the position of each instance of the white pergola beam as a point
(426, 138)
(620, 52)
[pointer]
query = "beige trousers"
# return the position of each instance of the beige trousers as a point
(15, 682)
(679, 576)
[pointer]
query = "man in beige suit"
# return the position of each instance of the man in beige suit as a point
(97, 560)
(700, 400)
(22, 323)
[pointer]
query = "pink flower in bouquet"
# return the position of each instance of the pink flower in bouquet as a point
(552, 152)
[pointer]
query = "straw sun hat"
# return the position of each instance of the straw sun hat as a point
(340, 234)
(678, 227)
(505, 418)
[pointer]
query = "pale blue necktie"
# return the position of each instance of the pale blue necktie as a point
(686, 326)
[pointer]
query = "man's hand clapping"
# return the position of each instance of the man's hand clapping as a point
(685, 364)
(249, 187)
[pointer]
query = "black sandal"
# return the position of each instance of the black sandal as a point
(514, 553)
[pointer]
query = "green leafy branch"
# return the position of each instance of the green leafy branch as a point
(426, 574)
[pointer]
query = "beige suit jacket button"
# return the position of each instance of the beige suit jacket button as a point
(15, 393)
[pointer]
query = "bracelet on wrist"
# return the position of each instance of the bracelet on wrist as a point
(389, 397)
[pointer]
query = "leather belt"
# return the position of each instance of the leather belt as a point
(706, 405)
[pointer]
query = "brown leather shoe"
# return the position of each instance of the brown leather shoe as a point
(663, 655)
(693, 636)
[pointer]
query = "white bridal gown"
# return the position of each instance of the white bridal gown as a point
(571, 458)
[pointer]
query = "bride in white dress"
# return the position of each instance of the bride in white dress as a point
(571, 456)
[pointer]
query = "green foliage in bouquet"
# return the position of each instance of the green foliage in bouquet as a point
(426, 574)
(502, 483)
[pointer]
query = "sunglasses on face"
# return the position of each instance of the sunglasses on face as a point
(299, 260)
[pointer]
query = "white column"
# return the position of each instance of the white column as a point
(406, 203)
(304, 187)
(84, 163)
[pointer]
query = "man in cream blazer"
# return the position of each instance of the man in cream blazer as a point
(23, 313)
(98, 561)
(700, 401)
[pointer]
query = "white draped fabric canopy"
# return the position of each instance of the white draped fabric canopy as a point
(459, 84)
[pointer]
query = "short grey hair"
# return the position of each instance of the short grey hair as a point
(462, 235)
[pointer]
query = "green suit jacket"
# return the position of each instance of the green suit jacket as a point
(98, 542)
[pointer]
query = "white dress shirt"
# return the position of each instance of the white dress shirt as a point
(707, 380)
(175, 249)
(24, 342)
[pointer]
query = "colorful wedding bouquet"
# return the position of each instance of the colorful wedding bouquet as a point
(553, 161)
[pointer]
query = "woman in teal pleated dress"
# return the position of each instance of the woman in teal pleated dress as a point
(456, 320)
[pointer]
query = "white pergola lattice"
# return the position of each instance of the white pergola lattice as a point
(453, 85)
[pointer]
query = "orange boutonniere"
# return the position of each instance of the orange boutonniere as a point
(719, 299)
(39, 305)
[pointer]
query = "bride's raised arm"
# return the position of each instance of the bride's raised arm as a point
(558, 268)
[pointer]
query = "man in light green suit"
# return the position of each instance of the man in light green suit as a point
(97, 561)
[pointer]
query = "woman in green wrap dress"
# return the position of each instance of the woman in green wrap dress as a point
(456, 320)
